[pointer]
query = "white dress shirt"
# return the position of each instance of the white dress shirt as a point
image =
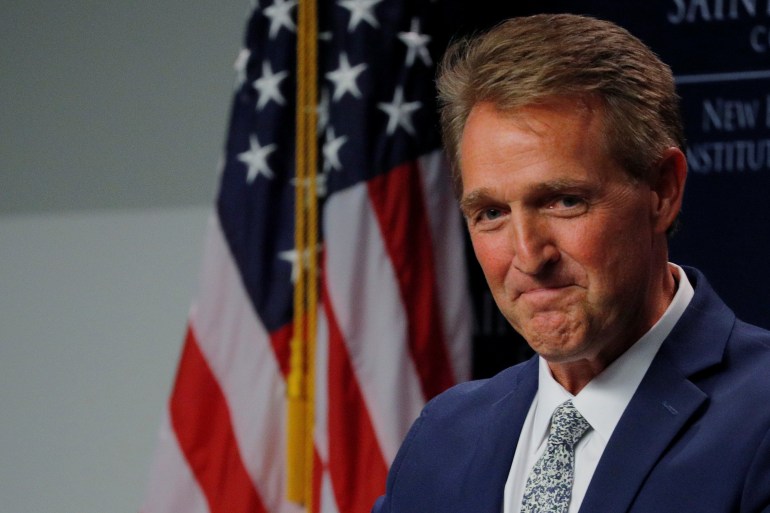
(601, 402)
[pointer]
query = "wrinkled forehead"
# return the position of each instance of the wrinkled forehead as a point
(548, 118)
(590, 110)
(575, 121)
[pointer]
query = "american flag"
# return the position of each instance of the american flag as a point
(394, 316)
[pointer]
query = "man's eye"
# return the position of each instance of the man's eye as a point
(490, 214)
(568, 202)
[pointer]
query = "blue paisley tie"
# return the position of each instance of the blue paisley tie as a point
(549, 485)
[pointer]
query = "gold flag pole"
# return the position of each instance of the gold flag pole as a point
(300, 387)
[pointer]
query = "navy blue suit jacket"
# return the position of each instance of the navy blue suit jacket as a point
(695, 437)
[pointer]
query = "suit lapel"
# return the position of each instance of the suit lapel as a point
(664, 402)
(481, 490)
(660, 409)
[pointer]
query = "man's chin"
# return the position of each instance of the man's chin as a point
(561, 355)
(556, 339)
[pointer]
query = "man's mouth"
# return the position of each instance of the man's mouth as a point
(545, 296)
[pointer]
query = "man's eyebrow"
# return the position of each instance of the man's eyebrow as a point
(560, 185)
(473, 199)
(484, 195)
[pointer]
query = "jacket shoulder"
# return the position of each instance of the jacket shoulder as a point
(473, 397)
(454, 441)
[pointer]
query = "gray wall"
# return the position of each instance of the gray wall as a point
(112, 120)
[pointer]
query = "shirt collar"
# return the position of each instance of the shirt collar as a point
(603, 401)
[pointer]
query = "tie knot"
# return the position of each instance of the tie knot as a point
(567, 425)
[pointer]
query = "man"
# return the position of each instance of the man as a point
(647, 395)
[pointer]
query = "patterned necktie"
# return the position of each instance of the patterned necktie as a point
(549, 486)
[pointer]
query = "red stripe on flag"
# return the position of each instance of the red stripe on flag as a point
(397, 198)
(356, 464)
(318, 470)
(201, 421)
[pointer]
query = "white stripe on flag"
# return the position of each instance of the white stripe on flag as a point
(238, 350)
(321, 403)
(328, 502)
(360, 277)
(171, 486)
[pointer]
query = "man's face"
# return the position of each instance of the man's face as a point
(567, 241)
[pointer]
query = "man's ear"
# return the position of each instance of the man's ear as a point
(667, 188)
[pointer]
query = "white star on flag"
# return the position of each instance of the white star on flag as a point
(323, 110)
(280, 16)
(320, 185)
(331, 150)
(417, 44)
(267, 86)
(240, 65)
(360, 10)
(256, 159)
(344, 78)
(292, 256)
(399, 113)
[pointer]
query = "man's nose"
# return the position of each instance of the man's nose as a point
(533, 245)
